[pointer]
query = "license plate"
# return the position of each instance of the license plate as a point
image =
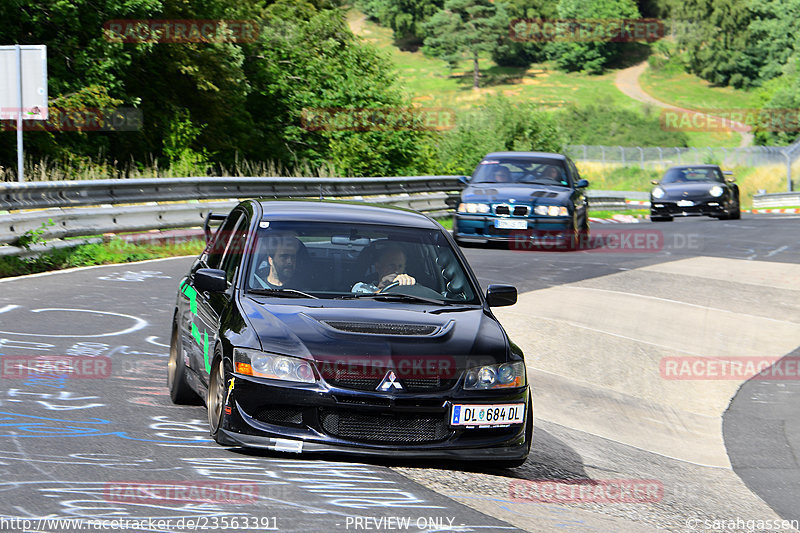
(487, 415)
(685, 203)
(507, 223)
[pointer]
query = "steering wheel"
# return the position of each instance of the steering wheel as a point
(389, 286)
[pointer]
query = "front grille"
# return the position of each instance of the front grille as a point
(427, 384)
(366, 383)
(280, 415)
(380, 328)
(389, 428)
(346, 381)
(516, 210)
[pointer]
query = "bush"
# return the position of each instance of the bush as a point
(497, 124)
(613, 126)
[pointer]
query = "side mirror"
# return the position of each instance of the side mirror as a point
(211, 280)
(654, 182)
(501, 295)
(581, 184)
(463, 180)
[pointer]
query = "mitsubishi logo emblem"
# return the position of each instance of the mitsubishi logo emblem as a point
(389, 382)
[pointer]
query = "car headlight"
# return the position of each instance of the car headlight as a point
(551, 210)
(658, 192)
(273, 366)
(500, 376)
(715, 191)
(470, 207)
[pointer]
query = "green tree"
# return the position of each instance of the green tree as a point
(404, 17)
(591, 56)
(466, 28)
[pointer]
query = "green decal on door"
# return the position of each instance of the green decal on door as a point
(201, 340)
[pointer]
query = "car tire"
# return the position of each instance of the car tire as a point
(736, 214)
(660, 219)
(215, 401)
(514, 463)
(179, 390)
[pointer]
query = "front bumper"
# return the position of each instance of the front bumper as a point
(320, 418)
(705, 207)
(481, 228)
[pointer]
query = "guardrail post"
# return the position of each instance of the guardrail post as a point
(660, 156)
(788, 172)
(622, 152)
(641, 157)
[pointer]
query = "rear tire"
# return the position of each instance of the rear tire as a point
(660, 219)
(179, 390)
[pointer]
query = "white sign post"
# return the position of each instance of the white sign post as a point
(23, 89)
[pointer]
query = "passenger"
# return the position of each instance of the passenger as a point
(278, 267)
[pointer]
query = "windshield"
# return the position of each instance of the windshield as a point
(687, 175)
(349, 261)
(533, 170)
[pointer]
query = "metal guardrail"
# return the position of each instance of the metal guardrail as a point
(57, 212)
(781, 199)
(39, 195)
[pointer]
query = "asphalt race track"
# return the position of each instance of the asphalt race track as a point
(599, 327)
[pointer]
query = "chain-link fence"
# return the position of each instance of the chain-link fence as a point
(654, 156)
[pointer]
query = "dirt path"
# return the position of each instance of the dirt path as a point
(627, 81)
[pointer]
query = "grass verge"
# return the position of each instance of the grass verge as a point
(113, 252)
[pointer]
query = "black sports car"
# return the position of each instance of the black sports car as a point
(341, 327)
(694, 190)
(527, 198)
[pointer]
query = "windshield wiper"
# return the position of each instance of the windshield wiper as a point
(282, 293)
(453, 309)
(394, 296)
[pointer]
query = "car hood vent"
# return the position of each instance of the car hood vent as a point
(382, 328)
(544, 194)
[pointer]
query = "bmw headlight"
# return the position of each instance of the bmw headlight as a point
(551, 210)
(470, 207)
(273, 366)
(658, 193)
(501, 376)
(715, 191)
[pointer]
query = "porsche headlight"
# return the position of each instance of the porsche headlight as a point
(504, 375)
(470, 207)
(658, 193)
(551, 210)
(715, 191)
(273, 366)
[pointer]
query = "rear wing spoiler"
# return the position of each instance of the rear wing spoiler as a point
(207, 224)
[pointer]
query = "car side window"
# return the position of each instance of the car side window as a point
(573, 170)
(234, 252)
(221, 240)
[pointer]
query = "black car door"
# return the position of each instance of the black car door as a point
(207, 307)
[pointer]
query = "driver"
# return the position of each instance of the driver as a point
(502, 175)
(389, 268)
